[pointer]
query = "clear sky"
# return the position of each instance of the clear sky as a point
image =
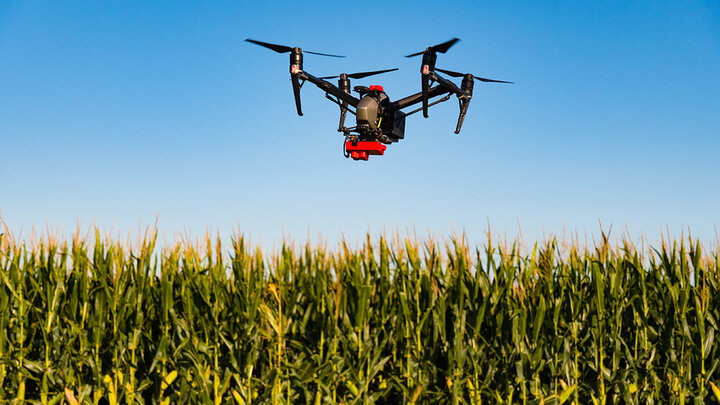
(119, 112)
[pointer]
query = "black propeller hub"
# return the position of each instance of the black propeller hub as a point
(296, 60)
(467, 84)
(344, 83)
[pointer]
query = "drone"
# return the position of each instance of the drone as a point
(379, 121)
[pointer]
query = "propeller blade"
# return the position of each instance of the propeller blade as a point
(324, 54)
(415, 54)
(442, 48)
(276, 48)
(286, 49)
(482, 79)
(450, 72)
(360, 75)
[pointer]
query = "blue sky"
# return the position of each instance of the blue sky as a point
(119, 112)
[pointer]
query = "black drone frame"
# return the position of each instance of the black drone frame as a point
(342, 96)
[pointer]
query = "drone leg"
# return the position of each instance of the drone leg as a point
(464, 104)
(343, 112)
(296, 92)
(425, 89)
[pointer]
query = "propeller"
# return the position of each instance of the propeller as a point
(286, 49)
(442, 48)
(458, 74)
(360, 75)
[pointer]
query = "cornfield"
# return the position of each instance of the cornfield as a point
(94, 320)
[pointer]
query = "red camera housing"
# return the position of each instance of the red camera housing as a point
(363, 149)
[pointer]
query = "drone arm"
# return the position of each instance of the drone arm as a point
(430, 76)
(438, 101)
(415, 98)
(464, 96)
(329, 88)
(449, 86)
(343, 105)
(444, 86)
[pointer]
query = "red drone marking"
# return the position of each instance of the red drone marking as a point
(376, 87)
(363, 149)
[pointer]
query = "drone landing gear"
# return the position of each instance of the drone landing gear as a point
(360, 150)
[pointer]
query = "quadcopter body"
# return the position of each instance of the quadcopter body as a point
(379, 121)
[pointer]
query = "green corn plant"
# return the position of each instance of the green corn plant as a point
(389, 321)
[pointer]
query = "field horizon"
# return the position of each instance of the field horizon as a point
(169, 240)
